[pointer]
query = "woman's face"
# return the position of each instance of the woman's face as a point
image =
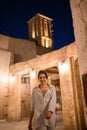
(42, 79)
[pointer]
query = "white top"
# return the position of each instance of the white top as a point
(41, 104)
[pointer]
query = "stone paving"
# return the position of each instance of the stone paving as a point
(23, 125)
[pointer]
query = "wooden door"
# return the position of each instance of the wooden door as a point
(25, 96)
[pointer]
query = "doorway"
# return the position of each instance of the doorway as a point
(54, 78)
(25, 95)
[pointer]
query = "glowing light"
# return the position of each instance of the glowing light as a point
(47, 44)
(33, 30)
(12, 79)
(32, 74)
(64, 67)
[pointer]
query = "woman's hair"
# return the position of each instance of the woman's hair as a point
(42, 72)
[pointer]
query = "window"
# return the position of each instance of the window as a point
(24, 80)
(33, 30)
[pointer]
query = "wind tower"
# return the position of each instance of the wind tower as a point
(40, 30)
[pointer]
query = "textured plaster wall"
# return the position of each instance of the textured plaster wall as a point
(22, 50)
(5, 59)
(4, 42)
(79, 14)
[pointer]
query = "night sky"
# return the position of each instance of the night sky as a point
(15, 14)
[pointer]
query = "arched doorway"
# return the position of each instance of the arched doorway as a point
(54, 78)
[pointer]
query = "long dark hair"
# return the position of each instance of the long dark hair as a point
(42, 72)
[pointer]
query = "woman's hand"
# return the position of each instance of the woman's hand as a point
(48, 115)
(30, 126)
(30, 121)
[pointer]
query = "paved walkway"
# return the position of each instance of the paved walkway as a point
(23, 125)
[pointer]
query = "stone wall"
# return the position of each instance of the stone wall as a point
(22, 50)
(79, 15)
(4, 42)
(5, 61)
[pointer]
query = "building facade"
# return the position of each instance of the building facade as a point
(64, 67)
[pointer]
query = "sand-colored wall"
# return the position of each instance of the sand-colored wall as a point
(4, 42)
(5, 61)
(22, 50)
(79, 16)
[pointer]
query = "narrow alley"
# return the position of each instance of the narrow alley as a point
(23, 125)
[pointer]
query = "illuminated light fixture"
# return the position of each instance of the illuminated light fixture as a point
(33, 34)
(64, 67)
(12, 79)
(47, 45)
(32, 74)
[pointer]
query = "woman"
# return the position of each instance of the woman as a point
(43, 115)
